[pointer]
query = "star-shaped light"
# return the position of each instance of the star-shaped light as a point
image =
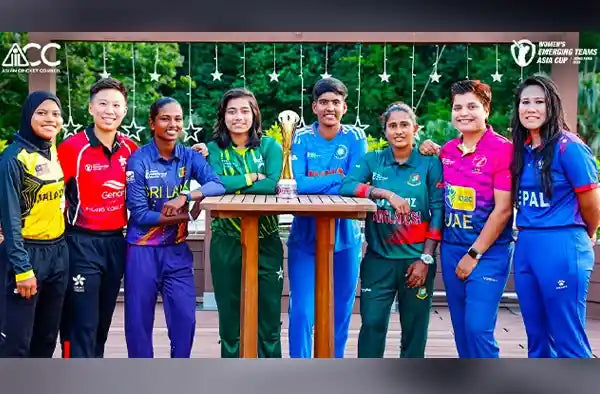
(497, 77)
(273, 77)
(194, 134)
(325, 75)
(67, 127)
(385, 77)
(133, 130)
(280, 273)
(216, 75)
(359, 125)
(105, 74)
(154, 76)
(435, 77)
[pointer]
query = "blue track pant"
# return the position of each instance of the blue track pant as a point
(474, 302)
(552, 274)
(301, 273)
(168, 270)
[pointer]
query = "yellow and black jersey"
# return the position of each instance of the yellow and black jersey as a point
(31, 190)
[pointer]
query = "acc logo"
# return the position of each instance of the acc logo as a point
(460, 198)
(524, 47)
(422, 293)
(341, 152)
(17, 56)
(414, 179)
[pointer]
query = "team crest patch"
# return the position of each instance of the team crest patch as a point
(414, 179)
(341, 152)
(422, 293)
(181, 172)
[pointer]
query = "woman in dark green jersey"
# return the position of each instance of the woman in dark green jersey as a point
(401, 236)
(247, 163)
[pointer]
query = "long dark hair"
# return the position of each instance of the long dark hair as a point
(550, 131)
(221, 133)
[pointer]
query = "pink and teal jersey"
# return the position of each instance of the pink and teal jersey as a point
(470, 177)
(573, 171)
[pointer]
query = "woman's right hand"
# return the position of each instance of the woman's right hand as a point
(27, 288)
(399, 204)
(201, 147)
(429, 148)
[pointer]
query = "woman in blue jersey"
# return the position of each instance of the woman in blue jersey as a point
(322, 154)
(158, 258)
(554, 185)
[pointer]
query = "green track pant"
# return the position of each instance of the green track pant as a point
(381, 280)
(226, 271)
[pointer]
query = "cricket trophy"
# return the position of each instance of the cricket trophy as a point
(286, 187)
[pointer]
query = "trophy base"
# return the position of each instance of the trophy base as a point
(286, 188)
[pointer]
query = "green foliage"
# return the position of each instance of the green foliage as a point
(374, 143)
(274, 132)
(588, 118)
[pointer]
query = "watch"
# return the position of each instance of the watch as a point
(187, 194)
(427, 258)
(474, 253)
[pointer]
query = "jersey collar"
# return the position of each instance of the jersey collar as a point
(94, 141)
(465, 151)
(155, 154)
(391, 160)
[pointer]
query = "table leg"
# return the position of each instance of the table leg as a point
(249, 290)
(324, 305)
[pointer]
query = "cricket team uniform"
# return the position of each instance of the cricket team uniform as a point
(158, 258)
(31, 186)
(470, 179)
(318, 165)
(554, 256)
(394, 242)
(95, 215)
(233, 166)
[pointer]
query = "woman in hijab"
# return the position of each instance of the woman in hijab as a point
(33, 256)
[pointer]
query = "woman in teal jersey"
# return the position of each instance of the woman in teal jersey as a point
(401, 236)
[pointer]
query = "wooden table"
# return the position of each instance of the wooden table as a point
(326, 209)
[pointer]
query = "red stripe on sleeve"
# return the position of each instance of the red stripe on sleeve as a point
(585, 188)
(362, 190)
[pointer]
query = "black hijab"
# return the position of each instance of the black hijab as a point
(26, 131)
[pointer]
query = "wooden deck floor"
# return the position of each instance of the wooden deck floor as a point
(510, 334)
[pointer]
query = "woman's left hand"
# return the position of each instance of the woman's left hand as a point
(465, 267)
(173, 207)
(416, 274)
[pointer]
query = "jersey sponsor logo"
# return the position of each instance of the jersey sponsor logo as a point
(325, 172)
(129, 176)
(95, 167)
(447, 162)
(311, 155)
(341, 152)
(154, 174)
(414, 179)
(42, 169)
(114, 185)
(532, 199)
(378, 177)
(460, 197)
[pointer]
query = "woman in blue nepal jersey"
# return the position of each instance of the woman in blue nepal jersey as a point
(555, 184)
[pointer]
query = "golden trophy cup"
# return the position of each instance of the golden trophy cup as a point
(286, 187)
